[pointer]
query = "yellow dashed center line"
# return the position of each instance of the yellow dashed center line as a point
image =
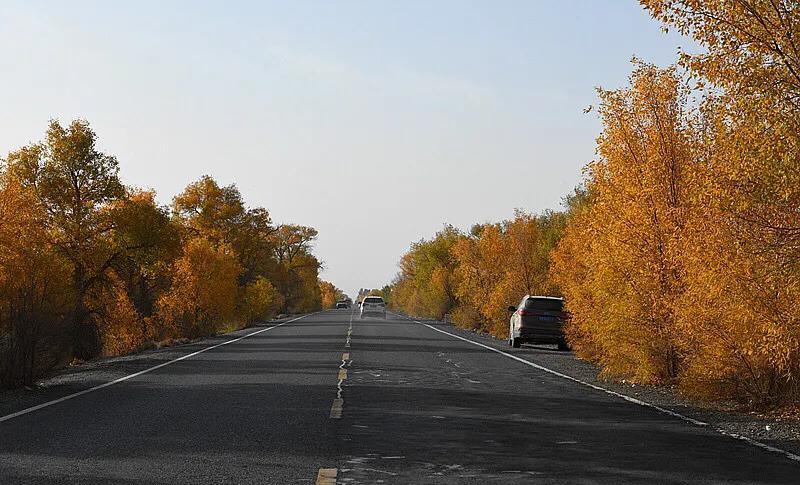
(326, 476)
(336, 408)
(338, 403)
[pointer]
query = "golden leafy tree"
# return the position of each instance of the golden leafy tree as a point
(623, 289)
(330, 294)
(73, 182)
(261, 301)
(500, 263)
(89, 266)
(480, 271)
(146, 242)
(122, 329)
(425, 284)
(298, 269)
(35, 295)
(741, 323)
(203, 296)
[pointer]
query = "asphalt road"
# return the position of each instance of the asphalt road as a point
(330, 399)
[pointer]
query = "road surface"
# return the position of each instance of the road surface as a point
(332, 399)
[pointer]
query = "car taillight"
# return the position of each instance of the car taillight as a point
(525, 313)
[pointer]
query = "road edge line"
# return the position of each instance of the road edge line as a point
(47, 404)
(787, 454)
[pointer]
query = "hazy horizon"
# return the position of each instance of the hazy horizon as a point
(375, 123)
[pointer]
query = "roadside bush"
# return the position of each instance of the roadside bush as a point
(260, 302)
(122, 329)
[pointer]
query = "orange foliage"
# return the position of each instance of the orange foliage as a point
(261, 301)
(122, 329)
(202, 299)
(620, 267)
(90, 267)
(473, 278)
(34, 290)
(330, 294)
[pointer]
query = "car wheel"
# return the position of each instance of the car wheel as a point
(515, 342)
(563, 346)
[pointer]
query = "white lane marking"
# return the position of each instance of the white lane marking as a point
(696, 422)
(326, 476)
(141, 372)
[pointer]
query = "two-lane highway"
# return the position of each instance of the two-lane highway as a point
(332, 399)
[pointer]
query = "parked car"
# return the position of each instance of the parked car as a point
(539, 320)
(373, 305)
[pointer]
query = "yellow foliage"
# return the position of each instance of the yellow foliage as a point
(619, 263)
(740, 324)
(202, 299)
(425, 285)
(34, 288)
(89, 266)
(260, 301)
(122, 329)
(330, 294)
(474, 277)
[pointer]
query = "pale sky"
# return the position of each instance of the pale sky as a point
(374, 121)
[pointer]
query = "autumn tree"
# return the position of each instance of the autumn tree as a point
(619, 264)
(298, 268)
(425, 286)
(743, 275)
(147, 241)
(202, 298)
(210, 211)
(260, 302)
(74, 182)
(499, 263)
(220, 215)
(330, 294)
(34, 297)
(480, 270)
(89, 266)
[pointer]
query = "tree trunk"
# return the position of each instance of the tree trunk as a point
(85, 334)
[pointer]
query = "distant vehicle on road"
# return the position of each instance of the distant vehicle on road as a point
(373, 305)
(539, 320)
(342, 304)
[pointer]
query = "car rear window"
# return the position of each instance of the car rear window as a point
(373, 299)
(544, 304)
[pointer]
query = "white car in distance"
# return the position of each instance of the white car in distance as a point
(373, 305)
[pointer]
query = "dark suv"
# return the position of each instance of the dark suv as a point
(539, 320)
